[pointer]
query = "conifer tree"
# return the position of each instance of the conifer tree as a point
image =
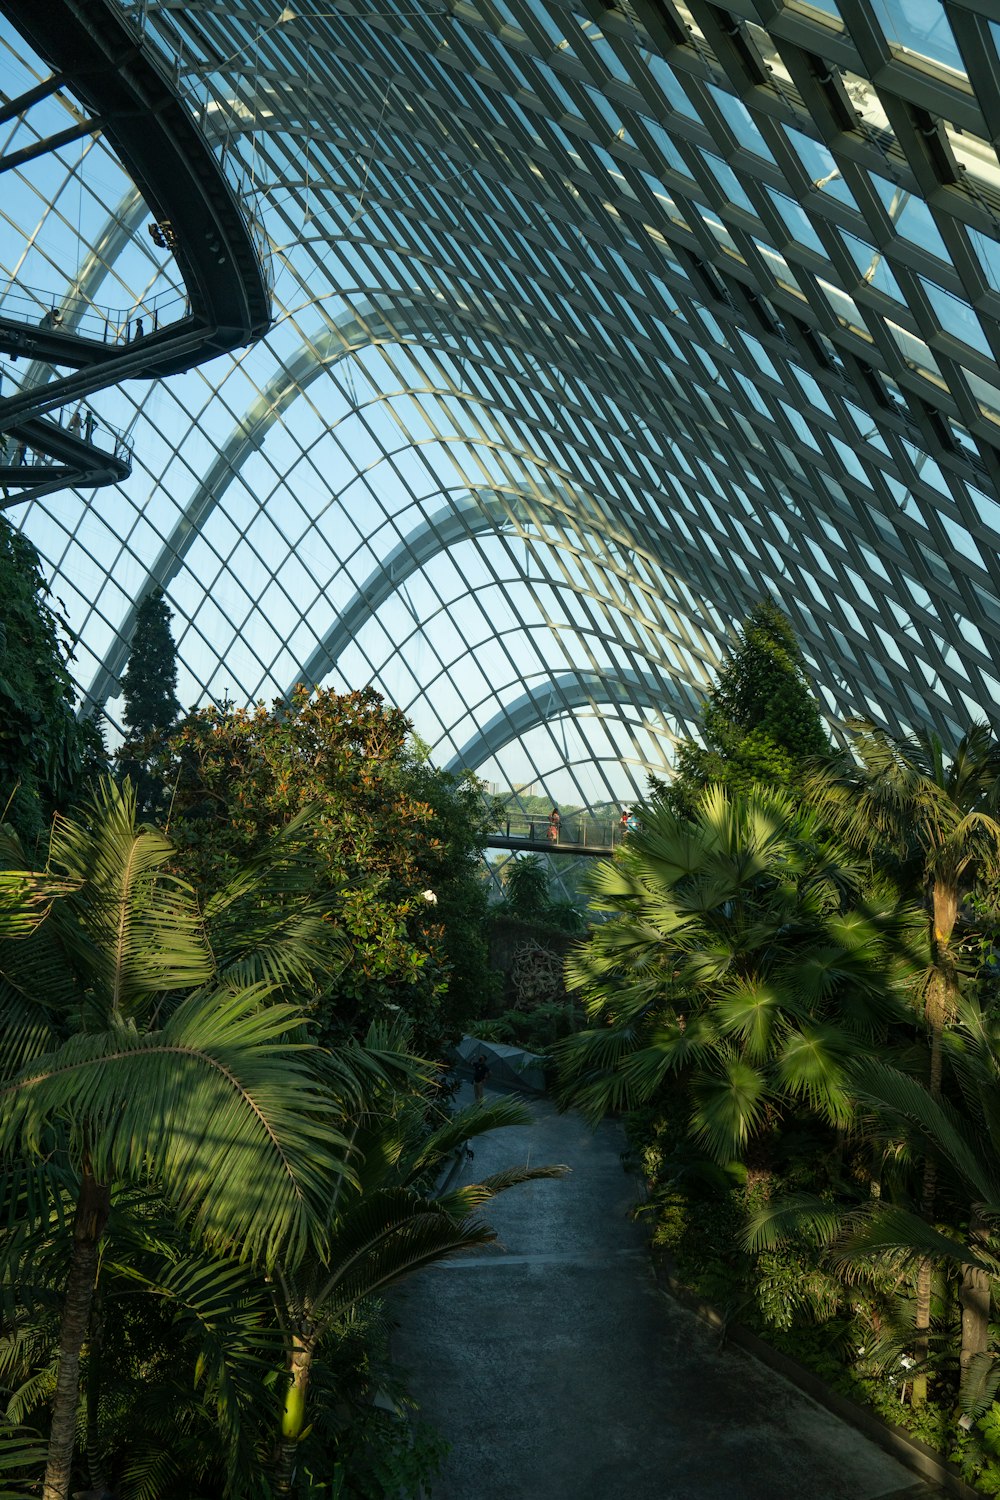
(761, 722)
(149, 684)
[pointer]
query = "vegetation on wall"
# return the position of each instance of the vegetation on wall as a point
(46, 755)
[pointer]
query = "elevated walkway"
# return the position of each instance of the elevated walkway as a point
(578, 835)
(39, 456)
(198, 197)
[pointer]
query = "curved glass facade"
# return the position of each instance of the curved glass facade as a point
(590, 327)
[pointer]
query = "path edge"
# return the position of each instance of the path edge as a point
(916, 1455)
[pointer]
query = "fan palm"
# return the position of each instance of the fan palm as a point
(734, 960)
(129, 1058)
(929, 812)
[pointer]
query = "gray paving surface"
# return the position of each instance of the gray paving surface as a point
(556, 1369)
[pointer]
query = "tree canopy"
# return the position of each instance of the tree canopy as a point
(761, 721)
(394, 845)
(149, 682)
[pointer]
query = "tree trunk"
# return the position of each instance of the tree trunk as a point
(293, 1417)
(939, 1007)
(92, 1209)
(92, 1394)
(975, 1299)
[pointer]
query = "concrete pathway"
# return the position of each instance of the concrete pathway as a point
(557, 1370)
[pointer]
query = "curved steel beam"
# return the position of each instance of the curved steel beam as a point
(568, 691)
(490, 509)
(470, 515)
(354, 331)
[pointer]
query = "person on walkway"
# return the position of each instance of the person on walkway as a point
(480, 1073)
(554, 821)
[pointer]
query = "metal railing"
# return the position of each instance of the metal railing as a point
(87, 319)
(82, 423)
(581, 830)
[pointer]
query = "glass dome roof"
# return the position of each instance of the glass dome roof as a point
(591, 326)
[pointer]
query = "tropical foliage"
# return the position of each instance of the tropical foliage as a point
(200, 1206)
(46, 754)
(737, 964)
(132, 1058)
(928, 817)
(793, 999)
(393, 847)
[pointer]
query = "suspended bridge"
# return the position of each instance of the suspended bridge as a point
(578, 833)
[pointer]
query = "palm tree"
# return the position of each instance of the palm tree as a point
(131, 1058)
(961, 1132)
(735, 961)
(929, 813)
(383, 1224)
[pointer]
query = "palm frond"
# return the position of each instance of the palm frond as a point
(129, 925)
(750, 1009)
(794, 1216)
(934, 1122)
(216, 1105)
(472, 1196)
(26, 1027)
(899, 1238)
(466, 1125)
(810, 1065)
(386, 1237)
(729, 1106)
(980, 1383)
(20, 1449)
(26, 899)
(285, 949)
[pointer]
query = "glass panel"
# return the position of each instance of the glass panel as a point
(729, 182)
(956, 317)
(911, 216)
(873, 266)
(797, 222)
(987, 251)
(920, 26)
(740, 122)
(820, 166)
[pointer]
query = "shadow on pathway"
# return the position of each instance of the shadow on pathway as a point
(556, 1369)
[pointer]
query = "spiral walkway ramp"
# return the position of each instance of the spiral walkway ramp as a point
(591, 325)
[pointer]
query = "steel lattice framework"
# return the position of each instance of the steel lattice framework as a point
(591, 327)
